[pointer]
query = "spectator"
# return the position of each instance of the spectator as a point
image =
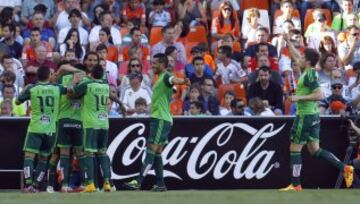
(267, 91)
(327, 45)
(349, 50)
(111, 68)
(113, 7)
(262, 36)
(75, 17)
(334, 103)
(196, 109)
(9, 31)
(6, 108)
(225, 108)
(70, 55)
(209, 96)
(262, 50)
(32, 65)
(193, 95)
(91, 59)
(190, 68)
(134, 10)
(278, 41)
(135, 91)
(159, 16)
(257, 107)
(8, 63)
(287, 9)
(28, 8)
(141, 107)
(15, 4)
(47, 35)
(136, 41)
(72, 42)
(237, 107)
(249, 32)
(228, 70)
(226, 22)
(135, 66)
(106, 20)
(9, 93)
(95, 14)
(327, 64)
(262, 61)
(105, 39)
(6, 17)
(28, 52)
(169, 40)
(191, 12)
(332, 5)
(339, 21)
(8, 78)
(173, 52)
(61, 20)
(199, 74)
(228, 40)
(128, 38)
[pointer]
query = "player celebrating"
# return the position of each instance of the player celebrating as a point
(95, 94)
(40, 138)
(306, 126)
(160, 123)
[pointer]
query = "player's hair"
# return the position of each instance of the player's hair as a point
(91, 53)
(80, 66)
(312, 56)
(43, 73)
(97, 72)
(226, 50)
(286, 2)
(162, 59)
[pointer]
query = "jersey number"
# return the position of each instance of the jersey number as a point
(47, 101)
(100, 101)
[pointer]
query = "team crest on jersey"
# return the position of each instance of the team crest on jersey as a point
(45, 119)
(103, 116)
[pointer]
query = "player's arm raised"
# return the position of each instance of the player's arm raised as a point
(179, 81)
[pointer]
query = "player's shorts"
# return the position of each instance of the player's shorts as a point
(69, 133)
(39, 143)
(159, 131)
(95, 140)
(306, 128)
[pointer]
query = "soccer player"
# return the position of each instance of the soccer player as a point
(40, 138)
(95, 94)
(306, 126)
(160, 123)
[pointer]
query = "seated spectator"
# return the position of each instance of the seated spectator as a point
(228, 40)
(262, 36)
(169, 40)
(249, 33)
(196, 109)
(339, 21)
(75, 17)
(267, 90)
(205, 53)
(6, 108)
(105, 39)
(287, 9)
(70, 56)
(136, 41)
(327, 64)
(29, 52)
(8, 78)
(134, 66)
(257, 107)
(127, 38)
(226, 22)
(215, 5)
(28, 8)
(190, 69)
(261, 62)
(193, 95)
(173, 52)
(9, 93)
(159, 16)
(47, 35)
(228, 70)
(181, 31)
(9, 31)
(327, 45)
(209, 96)
(225, 107)
(134, 9)
(141, 107)
(111, 68)
(278, 41)
(135, 52)
(114, 108)
(191, 12)
(135, 91)
(262, 50)
(18, 36)
(199, 73)
(7, 16)
(349, 50)
(32, 66)
(334, 103)
(97, 10)
(113, 7)
(72, 42)
(8, 63)
(106, 20)
(237, 107)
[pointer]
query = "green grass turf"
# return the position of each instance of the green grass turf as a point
(186, 197)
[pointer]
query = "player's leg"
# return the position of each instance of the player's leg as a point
(90, 148)
(54, 159)
(104, 159)
(64, 138)
(31, 149)
(65, 167)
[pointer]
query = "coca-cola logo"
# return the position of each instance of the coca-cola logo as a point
(251, 161)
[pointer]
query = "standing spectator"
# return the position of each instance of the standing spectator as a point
(106, 20)
(75, 17)
(28, 52)
(339, 21)
(27, 9)
(9, 31)
(228, 70)
(159, 16)
(33, 65)
(226, 22)
(209, 96)
(169, 40)
(47, 35)
(72, 42)
(225, 108)
(267, 91)
(287, 9)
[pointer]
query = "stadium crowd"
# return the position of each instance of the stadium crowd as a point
(233, 51)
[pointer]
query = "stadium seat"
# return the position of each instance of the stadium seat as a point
(238, 89)
(259, 4)
(155, 35)
(263, 20)
(309, 17)
(176, 107)
(295, 13)
(197, 34)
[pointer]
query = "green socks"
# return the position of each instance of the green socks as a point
(41, 169)
(330, 157)
(89, 169)
(159, 170)
(295, 166)
(52, 174)
(64, 166)
(104, 161)
(28, 170)
(149, 160)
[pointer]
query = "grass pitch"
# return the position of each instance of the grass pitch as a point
(186, 197)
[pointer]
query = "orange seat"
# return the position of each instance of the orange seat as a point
(176, 107)
(238, 89)
(259, 4)
(155, 35)
(295, 13)
(197, 34)
(309, 17)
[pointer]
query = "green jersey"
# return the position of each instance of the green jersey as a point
(161, 98)
(45, 100)
(70, 108)
(307, 84)
(94, 110)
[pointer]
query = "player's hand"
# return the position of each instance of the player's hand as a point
(294, 98)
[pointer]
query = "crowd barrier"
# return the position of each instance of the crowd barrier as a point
(203, 153)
